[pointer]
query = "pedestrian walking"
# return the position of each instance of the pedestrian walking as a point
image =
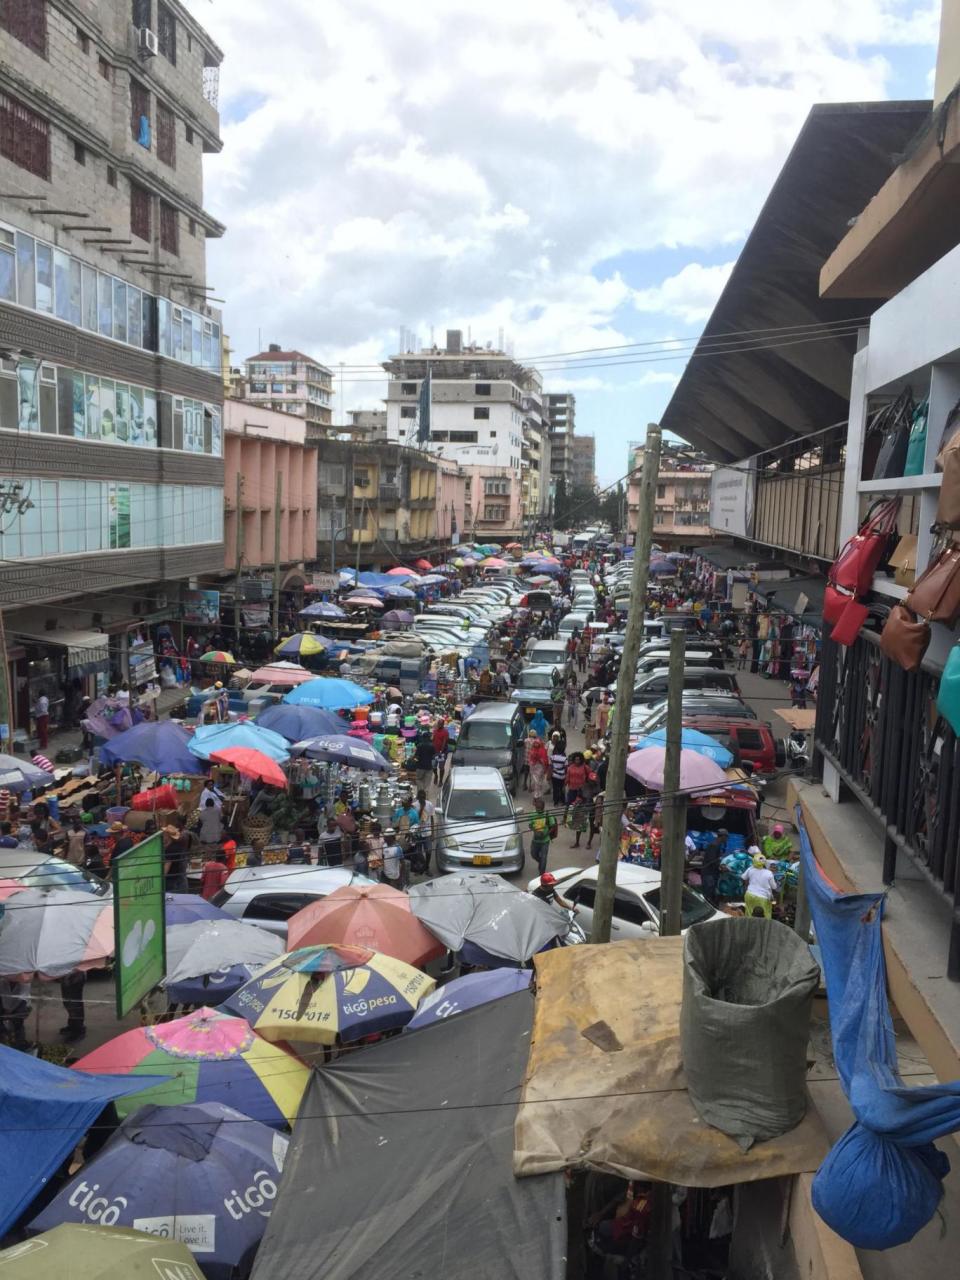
(558, 772)
(544, 828)
(573, 700)
(596, 817)
(743, 652)
(711, 856)
(538, 764)
(41, 716)
(579, 815)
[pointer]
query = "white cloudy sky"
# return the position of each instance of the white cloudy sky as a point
(579, 173)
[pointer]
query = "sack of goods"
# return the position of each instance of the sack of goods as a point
(744, 1026)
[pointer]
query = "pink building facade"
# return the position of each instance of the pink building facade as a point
(681, 518)
(479, 502)
(260, 445)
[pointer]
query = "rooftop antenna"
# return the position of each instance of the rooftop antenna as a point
(431, 336)
(500, 338)
(469, 336)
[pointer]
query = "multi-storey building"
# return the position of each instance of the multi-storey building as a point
(584, 462)
(681, 516)
(561, 413)
(291, 382)
(111, 435)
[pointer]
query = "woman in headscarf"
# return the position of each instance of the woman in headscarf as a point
(760, 885)
(538, 763)
(538, 724)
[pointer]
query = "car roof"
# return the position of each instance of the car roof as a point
(476, 777)
(539, 668)
(707, 722)
(492, 711)
(712, 672)
(628, 875)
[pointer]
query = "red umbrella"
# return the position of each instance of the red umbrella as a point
(370, 915)
(252, 764)
(425, 565)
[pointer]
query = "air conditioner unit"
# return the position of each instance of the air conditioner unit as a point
(147, 44)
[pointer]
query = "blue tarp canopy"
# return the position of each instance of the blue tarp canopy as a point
(44, 1112)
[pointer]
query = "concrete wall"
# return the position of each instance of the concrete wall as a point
(948, 53)
(258, 462)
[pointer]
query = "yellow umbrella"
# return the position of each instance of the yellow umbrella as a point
(459, 562)
(314, 994)
(302, 645)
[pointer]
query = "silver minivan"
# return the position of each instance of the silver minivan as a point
(653, 687)
(494, 735)
(477, 824)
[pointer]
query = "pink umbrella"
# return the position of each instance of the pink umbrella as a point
(398, 571)
(493, 562)
(646, 765)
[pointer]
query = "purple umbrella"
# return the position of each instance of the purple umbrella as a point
(187, 908)
(646, 765)
(394, 618)
(468, 992)
(323, 609)
(106, 718)
(160, 745)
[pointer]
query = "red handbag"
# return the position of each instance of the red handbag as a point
(857, 562)
(851, 620)
(834, 603)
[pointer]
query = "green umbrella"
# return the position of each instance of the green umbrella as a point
(83, 1252)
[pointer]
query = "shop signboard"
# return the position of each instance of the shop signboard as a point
(731, 500)
(201, 606)
(325, 581)
(139, 920)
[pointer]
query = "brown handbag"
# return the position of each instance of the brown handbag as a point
(936, 594)
(904, 638)
(948, 504)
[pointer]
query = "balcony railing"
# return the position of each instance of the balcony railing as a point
(211, 86)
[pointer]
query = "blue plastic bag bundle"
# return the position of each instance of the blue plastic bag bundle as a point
(883, 1180)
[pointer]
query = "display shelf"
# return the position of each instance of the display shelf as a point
(901, 484)
(885, 586)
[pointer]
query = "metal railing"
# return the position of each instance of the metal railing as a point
(878, 725)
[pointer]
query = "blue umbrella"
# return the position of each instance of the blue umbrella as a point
(399, 593)
(331, 692)
(301, 645)
(187, 908)
(324, 609)
(297, 723)
(20, 775)
(662, 566)
(210, 959)
(216, 737)
(691, 740)
(159, 745)
(466, 993)
(201, 1173)
(341, 749)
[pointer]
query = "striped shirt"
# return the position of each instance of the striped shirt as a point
(558, 765)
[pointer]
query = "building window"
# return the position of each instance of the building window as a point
(481, 411)
(463, 437)
(166, 135)
(140, 113)
(169, 231)
(141, 13)
(493, 512)
(27, 21)
(408, 388)
(24, 137)
(661, 490)
(408, 411)
(103, 66)
(79, 154)
(482, 388)
(166, 32)
(189, 135)
(83, 40)
(192, 227)
(139, 211)
(111, 176)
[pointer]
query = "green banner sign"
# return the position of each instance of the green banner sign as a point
(139, 917)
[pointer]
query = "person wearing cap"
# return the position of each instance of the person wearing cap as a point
(440, 740)
(122, 840)
(777, 845)
(711, 857)
(760, 885)
(547, 891)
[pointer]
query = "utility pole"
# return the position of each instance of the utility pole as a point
(674, 804)
(620, 735)
(359, 534)
(278, 498)
(237, 592)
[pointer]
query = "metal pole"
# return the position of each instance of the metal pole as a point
(359, 535)
(276, 555)
(239, 555)
(674, 805)
(619, 737)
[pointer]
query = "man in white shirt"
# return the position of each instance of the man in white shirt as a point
(210, 792)
(392, 873)
(41, 714)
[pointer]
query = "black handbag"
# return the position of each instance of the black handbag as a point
(896, 426)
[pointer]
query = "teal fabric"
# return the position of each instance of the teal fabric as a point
(917, 445)
(948, 698)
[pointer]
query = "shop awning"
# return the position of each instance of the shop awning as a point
(726, 557)
(785, 594)
(84, 648)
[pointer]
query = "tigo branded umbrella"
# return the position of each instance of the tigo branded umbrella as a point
(48, 934)
(211, 1058)
(209, 959)
(317, 993)
(696, 770)
(691, 740)
(297, 723)
(203, 1175)
(305, 644)
(82, 1251)
(341, 749)
(374, 916)
(329, 692)
(218, 737)
(251, 763)
(466, 993)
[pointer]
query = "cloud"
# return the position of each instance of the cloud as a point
(451, 165)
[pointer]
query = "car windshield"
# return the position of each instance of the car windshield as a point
(484, 733)
(478, 805)
(693, 908)
(536, 680)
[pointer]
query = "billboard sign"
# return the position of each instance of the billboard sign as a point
(731, 500)
(139, 921)
(201, 606)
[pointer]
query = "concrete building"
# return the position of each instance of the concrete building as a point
(584, 462)
(111, 432)
(682, 516)
(561, 412)
(291, 382)
(369, 424)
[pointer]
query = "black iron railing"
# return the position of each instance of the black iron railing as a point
(879, 726)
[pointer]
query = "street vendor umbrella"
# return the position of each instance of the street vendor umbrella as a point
(34, 870)
(466, 993)
(661, 566)
(325, 610)
(305, 644)
(330, 692)
(210, 959)
(696, 770)
(211, 1057)
(488, 919)
(396, 618)
(431, 580)
(341, 749)
(363, 600)
(81, 1251)
(106, 718)
(175, 1172)
(399, 593)
(281, 672)
(186, 908)
(399, 571)
(218, 657)
(297, 723)
(218, 737)
(540, 580)
(373, 915)
(425, 565)
(316, 994)
(17, 774)
(251, 764)
(49, 933)
(160, 745)
(691, 740)
(493, 562)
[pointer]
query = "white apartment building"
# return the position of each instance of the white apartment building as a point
(291, 382)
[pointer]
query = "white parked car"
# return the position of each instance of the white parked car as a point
(636, 901)
(268, 896)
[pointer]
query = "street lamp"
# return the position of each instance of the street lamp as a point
(334, 535)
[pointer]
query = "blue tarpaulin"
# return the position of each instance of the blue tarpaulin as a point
(882, 1181)
(44, 1112)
